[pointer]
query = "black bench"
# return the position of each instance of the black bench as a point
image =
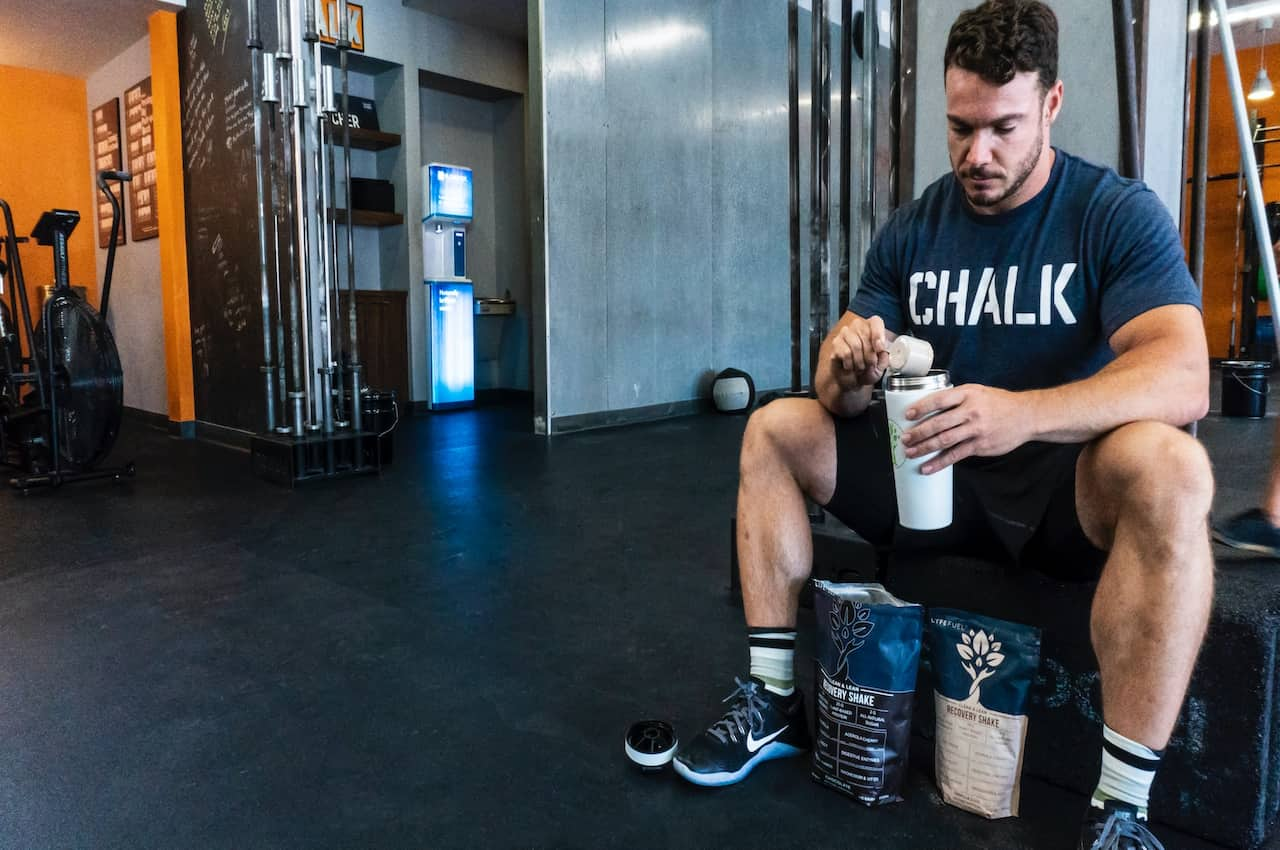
(1221, 775)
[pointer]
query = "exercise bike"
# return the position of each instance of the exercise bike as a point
(62, 401)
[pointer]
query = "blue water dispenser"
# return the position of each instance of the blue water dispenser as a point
(450, 296)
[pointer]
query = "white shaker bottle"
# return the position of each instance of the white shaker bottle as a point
(924, 501)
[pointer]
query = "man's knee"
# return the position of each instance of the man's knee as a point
(1147, 472)
(797, 433)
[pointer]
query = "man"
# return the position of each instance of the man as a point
(1058, 296)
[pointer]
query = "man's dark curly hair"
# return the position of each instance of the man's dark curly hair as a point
(1002, 38)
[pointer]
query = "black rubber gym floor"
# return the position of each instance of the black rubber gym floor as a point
(447, 656)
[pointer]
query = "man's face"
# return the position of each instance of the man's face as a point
(998, 137)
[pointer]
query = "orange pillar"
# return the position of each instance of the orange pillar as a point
(171, 209)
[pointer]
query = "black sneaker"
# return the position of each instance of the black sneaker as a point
(760, 725)
(1116, 827)
(1251, 531)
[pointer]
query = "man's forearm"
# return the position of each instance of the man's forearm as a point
(1154, 383)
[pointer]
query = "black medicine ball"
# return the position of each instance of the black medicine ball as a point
(733, 391)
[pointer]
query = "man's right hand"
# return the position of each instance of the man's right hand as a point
(859, 353)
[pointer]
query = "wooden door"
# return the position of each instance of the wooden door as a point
(382, 321)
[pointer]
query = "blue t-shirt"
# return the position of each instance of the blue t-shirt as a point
(1028, 298)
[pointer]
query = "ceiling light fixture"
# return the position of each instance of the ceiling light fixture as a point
(1262, 88)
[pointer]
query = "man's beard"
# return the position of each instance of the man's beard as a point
(1023, 171)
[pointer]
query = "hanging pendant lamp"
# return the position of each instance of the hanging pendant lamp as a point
(1262, 88)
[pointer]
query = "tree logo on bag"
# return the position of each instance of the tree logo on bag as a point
(980, 656)
(850, 626)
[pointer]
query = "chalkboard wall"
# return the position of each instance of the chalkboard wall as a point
(221, 212)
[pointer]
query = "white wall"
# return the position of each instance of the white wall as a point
(134, 311)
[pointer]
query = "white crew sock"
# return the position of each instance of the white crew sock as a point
(773, 653)
(1127, 770)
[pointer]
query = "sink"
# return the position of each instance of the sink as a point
(495, 307)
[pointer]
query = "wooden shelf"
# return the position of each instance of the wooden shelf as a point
(368, 218)
(368, 140)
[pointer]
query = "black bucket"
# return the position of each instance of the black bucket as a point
(1244, 388)
(380, 414)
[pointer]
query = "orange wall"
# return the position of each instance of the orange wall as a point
(44, 137)
(1220, 210)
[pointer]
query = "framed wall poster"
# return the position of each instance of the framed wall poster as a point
(143, 213)
(107, 155)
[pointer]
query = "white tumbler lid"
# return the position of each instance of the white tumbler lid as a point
(910, 356)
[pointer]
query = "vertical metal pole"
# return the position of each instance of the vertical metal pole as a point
(302, 219)
(1127, 87)
(336, 325)
(820, 165)
(1200, 158)
(846, 129)
(279, 260)
(870, 125)
(1244, 134)
(328, 109)
(299, 375)
(793, 183)
(325, 370)
(268, 357)
(344, 47)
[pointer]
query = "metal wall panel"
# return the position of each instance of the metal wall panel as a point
(575, 109)
(750, 307)
(658, 199)
(666, 230)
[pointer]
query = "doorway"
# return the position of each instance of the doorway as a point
(483, 128)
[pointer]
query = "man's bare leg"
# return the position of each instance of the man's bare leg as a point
(788, 453)
(1143, 492)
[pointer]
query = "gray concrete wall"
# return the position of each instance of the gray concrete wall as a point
(511, 244)
(1164, 117)
(134, 312)
(666, 198)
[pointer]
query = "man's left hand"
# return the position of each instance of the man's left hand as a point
(972, 420)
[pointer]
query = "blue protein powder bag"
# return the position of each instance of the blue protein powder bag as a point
(868, 651)
(983, 671)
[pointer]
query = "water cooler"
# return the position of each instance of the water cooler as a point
(450, 296)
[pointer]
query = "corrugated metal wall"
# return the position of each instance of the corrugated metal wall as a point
(666, 157)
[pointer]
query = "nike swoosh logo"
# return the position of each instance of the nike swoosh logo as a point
(753, 744)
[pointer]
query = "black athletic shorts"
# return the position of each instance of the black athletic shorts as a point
(1019, 507)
